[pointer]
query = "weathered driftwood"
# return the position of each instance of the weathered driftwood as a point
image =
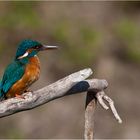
(92, 97)
(90, 115)
(71, 84)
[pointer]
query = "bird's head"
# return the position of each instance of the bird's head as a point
(29, 48)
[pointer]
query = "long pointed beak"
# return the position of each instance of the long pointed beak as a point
(45, 47)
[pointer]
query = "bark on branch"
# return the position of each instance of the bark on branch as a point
(90, 115)
(72, 84)
(69, 85)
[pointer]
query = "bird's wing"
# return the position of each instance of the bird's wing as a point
(0, 83)
(0, 88)
(13, 73)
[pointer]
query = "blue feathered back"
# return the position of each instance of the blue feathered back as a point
(1, 94)
(12, 74)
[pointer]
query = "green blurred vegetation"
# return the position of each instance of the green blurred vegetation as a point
(20, 14)
(80, 41)
(129, 32)
(14, 134)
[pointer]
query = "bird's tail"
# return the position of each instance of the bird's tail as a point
(1, 95)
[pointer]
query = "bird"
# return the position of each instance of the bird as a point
(23, 71)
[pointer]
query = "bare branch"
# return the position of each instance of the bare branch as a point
(113, 109)
(71, 84)
(100, 96)
(89, 115)
(93, 96)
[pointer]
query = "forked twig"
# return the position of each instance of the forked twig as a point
(94, 96)
(100, 96)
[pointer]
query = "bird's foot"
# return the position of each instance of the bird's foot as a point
(19, 96)
(28, 90)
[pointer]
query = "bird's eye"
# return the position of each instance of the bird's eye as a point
(36, 47)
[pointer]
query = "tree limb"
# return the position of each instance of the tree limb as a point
(92, 97)
(71, 84)
(90, 115)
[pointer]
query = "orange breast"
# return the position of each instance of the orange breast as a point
(32, 72)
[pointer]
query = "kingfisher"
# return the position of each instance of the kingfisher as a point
(24, 69)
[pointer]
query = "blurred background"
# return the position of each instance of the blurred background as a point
(104, 36)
